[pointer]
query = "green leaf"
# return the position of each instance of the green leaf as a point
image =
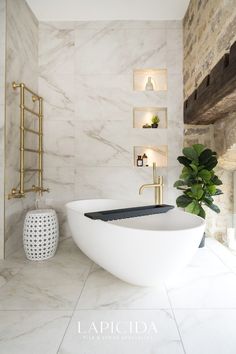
(198, 181)
(191, 154)
(193, 207)
(179, 183)
(211, 189)
(208, 199)
(186, 172)
(183, 200)
(186, 192)
(205, 156)
(205, 175)
(184, 161)
(199, 148)
(214, 208)
(197, 191)
(216, 180)
(191, 180)
(190, 194)
(211, 163)
(218, 192)
(202, 213)
(194, 167)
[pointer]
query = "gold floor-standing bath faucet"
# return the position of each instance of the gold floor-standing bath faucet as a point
(157, 185)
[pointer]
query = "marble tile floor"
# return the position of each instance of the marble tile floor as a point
(59, 306)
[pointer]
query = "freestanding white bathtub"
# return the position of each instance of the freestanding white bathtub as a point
(143, 250)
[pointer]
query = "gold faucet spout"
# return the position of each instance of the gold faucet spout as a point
(149, 185)
(157, 185)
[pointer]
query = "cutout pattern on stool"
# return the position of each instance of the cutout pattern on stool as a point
(40, 237)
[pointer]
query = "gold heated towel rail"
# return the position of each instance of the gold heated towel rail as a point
(19, 193)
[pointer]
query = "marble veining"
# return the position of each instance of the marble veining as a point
(120, 51)
(22, 66)
(2, 117)
(59, 152)
(84, 70)
(41, 304)
(86, 76)
(104, 291)
(25, 331)
(121, 182)
(112, 97)
(59, 99)
(202, 330)
(56, 48)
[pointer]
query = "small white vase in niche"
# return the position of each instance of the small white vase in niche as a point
(149, 85)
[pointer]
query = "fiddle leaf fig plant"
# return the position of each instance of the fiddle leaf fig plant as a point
(198, 180)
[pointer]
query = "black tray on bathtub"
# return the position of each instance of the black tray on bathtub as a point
(115, 214)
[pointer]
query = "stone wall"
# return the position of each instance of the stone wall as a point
(225, 141)
(209, 30)
(218, 138)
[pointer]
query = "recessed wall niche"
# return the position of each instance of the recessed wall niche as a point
(143, 115)
(158, 154)
(150, 79)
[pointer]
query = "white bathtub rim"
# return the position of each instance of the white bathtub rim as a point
(201, 224)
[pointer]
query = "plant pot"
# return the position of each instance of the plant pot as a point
(202, 243)
(155, 125)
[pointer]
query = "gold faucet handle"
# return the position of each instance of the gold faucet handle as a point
(15, 194)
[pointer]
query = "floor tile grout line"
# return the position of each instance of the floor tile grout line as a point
(13, 276)
(226, 265)
(172, 309)
(37, 310)
(173, 314)
(89, 272)
(74, 309)
(157, 308)
(211, 249)
(123, 309)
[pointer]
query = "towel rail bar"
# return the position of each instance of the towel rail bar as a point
(30, 111)
(32, 131)
(19, 193)
(35, 96)
(30, 150)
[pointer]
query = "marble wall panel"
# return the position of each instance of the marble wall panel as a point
(110, 143)
(2, 118)
(111, 97)
(115, 182)
(59, 96)
(21, 66)
(59, 143)
(56, 48)
(86, 77)
(119, 51)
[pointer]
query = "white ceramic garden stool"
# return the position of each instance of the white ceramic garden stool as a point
(41, 233)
